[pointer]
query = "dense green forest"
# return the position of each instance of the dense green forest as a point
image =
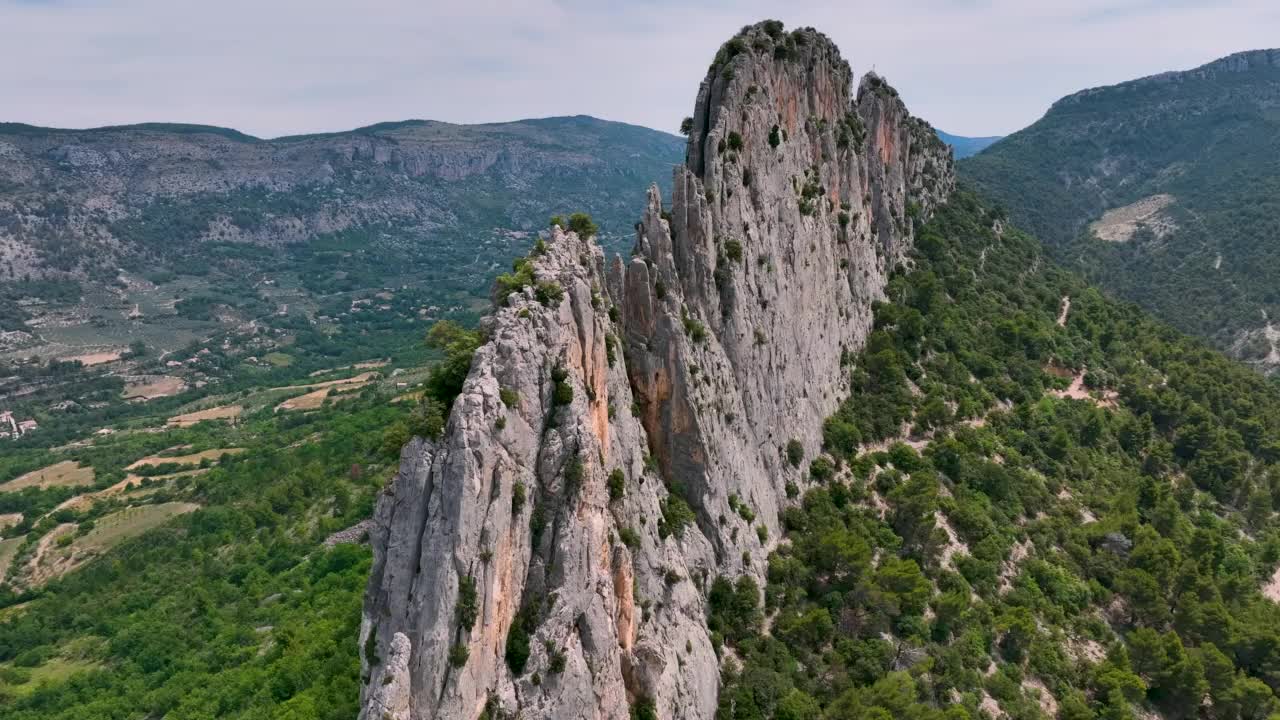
(978, 533)
(235, 610)
(1210, 138)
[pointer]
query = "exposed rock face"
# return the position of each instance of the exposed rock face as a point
(692, 367)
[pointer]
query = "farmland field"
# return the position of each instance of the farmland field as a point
(191, 459)
(223, 412)
(67, 473)
(8, 548)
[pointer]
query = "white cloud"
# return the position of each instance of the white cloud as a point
(272, 67)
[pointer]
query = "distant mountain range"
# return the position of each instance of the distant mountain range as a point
(967, 146)
(89, 219)
(79, 203)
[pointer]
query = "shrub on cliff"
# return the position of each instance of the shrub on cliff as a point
(583, 225)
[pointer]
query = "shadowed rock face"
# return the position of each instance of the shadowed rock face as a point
(692, 366)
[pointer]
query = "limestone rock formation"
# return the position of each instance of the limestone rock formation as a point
(628, 434)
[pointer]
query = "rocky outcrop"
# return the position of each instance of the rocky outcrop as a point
(620, 443)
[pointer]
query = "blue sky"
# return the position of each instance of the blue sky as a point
(274, 67)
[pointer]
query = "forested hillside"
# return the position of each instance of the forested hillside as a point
(1164, 191)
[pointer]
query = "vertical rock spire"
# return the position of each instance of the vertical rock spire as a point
(618, 447)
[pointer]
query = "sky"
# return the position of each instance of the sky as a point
(278, 67)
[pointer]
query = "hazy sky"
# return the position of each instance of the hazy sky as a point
(274, 67)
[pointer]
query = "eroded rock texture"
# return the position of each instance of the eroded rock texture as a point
(684, 373)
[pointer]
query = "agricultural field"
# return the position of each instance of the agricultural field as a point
(67, 473)
(282, 484)
(163, 456)
(189, 459)
(222, 412)
(317, 398)
(8, 550)
(90, 359)
(66, 549)
(150, 387)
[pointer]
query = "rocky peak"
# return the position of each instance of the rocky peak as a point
(1245, 61)
(620, 444)
(796, 201)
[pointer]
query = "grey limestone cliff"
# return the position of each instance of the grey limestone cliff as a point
(550, 554)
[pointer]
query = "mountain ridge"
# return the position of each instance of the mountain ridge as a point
(1237, 62)
(1177, 170)
(15, 128)
(835, 440)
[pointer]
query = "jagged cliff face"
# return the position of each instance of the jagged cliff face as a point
(692, 366)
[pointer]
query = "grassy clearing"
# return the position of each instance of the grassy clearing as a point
(366, 365)
(325, 391)
(54, 671)
(362, 379)
(111, 530)
(67, 473)
(278, 359)
(135, 486)
(314, 399)
(8, 549)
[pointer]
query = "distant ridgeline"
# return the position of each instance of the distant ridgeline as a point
(1165, 191)
(78, 204)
